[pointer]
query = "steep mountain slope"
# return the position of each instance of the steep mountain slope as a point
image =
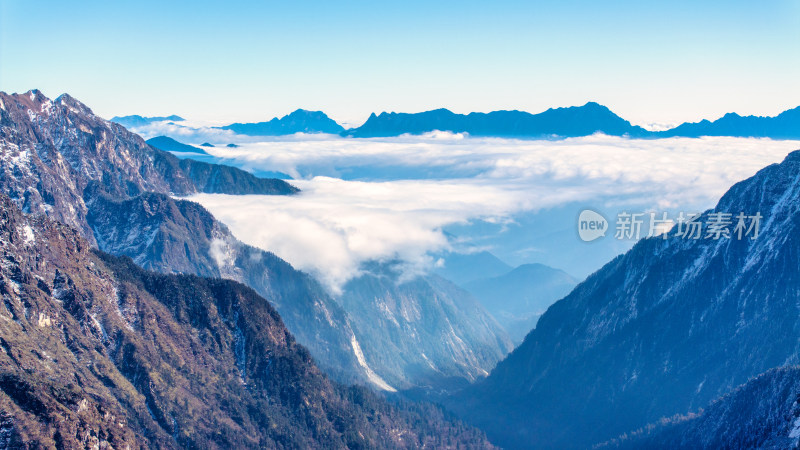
(785, 125)
(422, 331)
(300, 121)
(763, 413)
(58, 159)
(563, 122)
(662, 330)
(51, 150)
(96, 352)
(178, 236)
(518, 298)
(220, 179)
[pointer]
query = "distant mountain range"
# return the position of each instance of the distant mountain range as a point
(139, 121)
(785, 125)
(554, 123)
(570, 122)
(462, 268)
(517, 298)
(300, 121)
(562, 122)
(664, 329)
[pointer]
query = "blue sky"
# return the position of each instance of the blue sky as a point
(246, 61)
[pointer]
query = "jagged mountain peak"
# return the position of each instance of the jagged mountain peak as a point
(588, 106)
(73, 103)
(300, 112)
(298, 121)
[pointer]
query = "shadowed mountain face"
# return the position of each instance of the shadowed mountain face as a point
(661, 330)
(423, 331)
(221, 179)
(300, 121)
(168, 144)
(562, 122)
(518, 298)
(763, 413)
(97, 352)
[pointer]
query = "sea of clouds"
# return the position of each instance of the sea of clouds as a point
(398, 198)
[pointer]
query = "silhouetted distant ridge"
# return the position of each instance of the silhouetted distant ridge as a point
(300, 121)
(785, 125)
(517, 298)
(573, 121)
(168, 144)
(560, 122)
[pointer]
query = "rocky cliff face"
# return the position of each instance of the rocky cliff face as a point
(97, 352)
(423, 331)
(661, 330)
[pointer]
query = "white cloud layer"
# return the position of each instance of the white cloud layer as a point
(334, 225)
(185, 131)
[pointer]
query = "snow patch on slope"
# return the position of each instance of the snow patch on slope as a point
(28, 235)
(794, 433)
(371, 375)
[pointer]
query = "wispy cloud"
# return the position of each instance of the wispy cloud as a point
(334, 225)
(187, 132)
